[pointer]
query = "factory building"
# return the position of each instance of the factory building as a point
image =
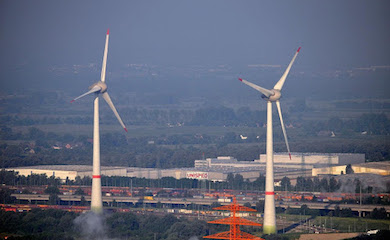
(72, 171)
(310, 160)
(217, 169)
(225, 162)
(379, 168)
(67, 171)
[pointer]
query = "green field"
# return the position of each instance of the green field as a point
(338, 224)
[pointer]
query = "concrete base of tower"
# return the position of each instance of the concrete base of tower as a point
(97, 210)
(269, 229)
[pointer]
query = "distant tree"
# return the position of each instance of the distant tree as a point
(358, 185)
(122, 224)
(346, 212)
(5, 196)
(260, 206)
(248, 204)
(349, 170)
(186, 229)
(324, 185)
(83, 202)
(26, 191)
(378, 213)
(13, 151)
(42, 143)
(54, 199)
(35, 133)
(285, 184)
(316, 184)
(8, 177)
(333, 184)
(373, 124)
(52, 190)
(300, 185)
(159, 205)
(53, 181)
(335, 124)
(79, 191)
(337, 211)
(308, 184)
(259, 183)
(304, 209)
(230, 180)
(238, 181)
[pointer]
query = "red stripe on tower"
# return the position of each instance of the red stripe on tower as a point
(96, 176)
(269, 193)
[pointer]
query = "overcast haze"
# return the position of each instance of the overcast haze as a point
(333, 35)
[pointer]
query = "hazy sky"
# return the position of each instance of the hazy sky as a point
(347, 33)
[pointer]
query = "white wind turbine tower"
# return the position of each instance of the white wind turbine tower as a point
(99, 88)
(273, 95)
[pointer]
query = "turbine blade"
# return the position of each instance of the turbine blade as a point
(94, 89)
(283, 128)
(103, 74)
(279, 84)
(264, 91)
(109, 102)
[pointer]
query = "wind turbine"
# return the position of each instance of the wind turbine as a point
(273, 95)
(99, 88)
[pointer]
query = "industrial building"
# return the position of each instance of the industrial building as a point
(217, 169)
(225, 162)
(311, 160)
(70, 172)
(67, 171)
(379, 168)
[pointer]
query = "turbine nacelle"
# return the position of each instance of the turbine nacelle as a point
(273, 97)
(101, 85)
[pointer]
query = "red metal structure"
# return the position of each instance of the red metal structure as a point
(235, 233)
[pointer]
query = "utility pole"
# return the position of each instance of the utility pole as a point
(325, 226)
(360, 195)
(331, 224)
(131, 187)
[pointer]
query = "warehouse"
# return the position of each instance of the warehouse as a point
(379, 168)
(310, 160)
(214, 169)
(67, 171)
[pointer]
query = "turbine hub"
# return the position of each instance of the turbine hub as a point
(100, 84)
(273, 98)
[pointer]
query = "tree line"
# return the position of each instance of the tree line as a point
(36, 147)
(63, 225)
(233, 182)
(371, 124)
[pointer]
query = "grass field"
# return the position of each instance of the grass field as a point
(332, 224)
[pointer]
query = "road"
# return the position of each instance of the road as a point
(200, 201)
